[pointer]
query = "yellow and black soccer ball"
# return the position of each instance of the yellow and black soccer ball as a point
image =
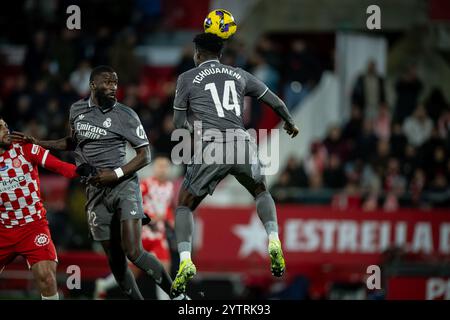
(221, 23)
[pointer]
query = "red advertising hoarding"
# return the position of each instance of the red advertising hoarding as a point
(234, 239)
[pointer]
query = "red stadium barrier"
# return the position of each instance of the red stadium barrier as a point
(325, 245)
(234, 238)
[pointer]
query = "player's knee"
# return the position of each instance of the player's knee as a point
(260, 188)
(133, 252)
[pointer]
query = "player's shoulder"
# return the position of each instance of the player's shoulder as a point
(28, 148)
(79, 107)
(188, 75)
(80, 104)
(125, 110)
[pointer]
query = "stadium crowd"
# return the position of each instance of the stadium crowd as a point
(383, 156)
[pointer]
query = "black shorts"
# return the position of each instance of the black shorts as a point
(202, 178)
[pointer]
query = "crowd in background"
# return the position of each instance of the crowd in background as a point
(384, 156)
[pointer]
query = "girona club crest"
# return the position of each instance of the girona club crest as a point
(16, 163)
(41, 240)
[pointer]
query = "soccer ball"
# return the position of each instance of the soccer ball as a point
(221, 23)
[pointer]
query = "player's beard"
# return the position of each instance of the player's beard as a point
(104, 101)
(5, 142)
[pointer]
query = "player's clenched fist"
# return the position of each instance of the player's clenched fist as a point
(291, 129)
(103, 178)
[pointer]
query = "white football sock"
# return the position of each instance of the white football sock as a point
(54, 297)
(273, 236)
(184, 255)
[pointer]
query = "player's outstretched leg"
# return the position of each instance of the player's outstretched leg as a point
(147, 262)
(265, 207)
(119, 268)
(184, 225)
(184, 228)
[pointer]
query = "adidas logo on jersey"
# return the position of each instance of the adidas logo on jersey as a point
(81, 116)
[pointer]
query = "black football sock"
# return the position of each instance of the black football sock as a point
(153, 267)
(184, 227)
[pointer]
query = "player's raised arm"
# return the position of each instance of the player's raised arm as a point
(256, 88)
(281, 110)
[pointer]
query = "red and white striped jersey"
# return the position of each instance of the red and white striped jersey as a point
(157, 200)
(20, 194)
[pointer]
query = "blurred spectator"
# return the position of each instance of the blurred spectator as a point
(186, 62)
(12, 112)
(417, 127)
(67, 95)
(335, 144)
(316, 161)
(394, 185)
(265, 72)
(37, 52)
(440, 191)
(435, 104)
(39, 96)
(368, 92)
(123, 58)
(302, 73)
(382, 123)
(101, 46)
(394, 181)
(410, 161)
(79, 79)
(444, 125)
(408, 89)
(366, 142)
(416, 187)
(370, 179)
(437, 165)
(398, 141)
(66, 52)
(147, 14)
(315, 181)
(296, 172)
(270, 54)
(334, 176)
(354, 126)
(279, 189)
(163, 142)
(381, 157)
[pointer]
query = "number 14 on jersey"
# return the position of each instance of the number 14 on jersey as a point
(229, 101)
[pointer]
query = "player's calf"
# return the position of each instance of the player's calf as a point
(45, 274)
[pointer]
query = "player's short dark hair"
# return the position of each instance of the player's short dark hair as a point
(160, 155)
(208, 43)
(98, 70)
